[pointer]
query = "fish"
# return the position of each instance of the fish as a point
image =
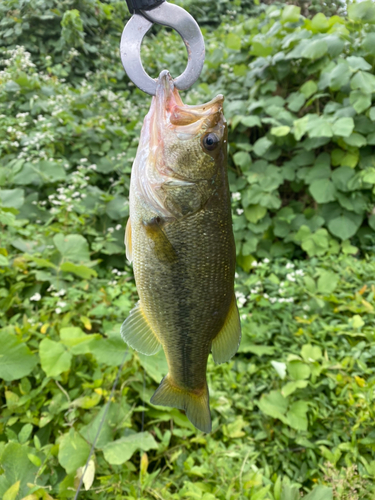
(180, 239)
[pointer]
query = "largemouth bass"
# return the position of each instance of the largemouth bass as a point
(179, 236)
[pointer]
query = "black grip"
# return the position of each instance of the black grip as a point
(134, 5)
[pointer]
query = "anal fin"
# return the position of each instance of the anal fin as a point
(138, 334)
(195, 404)
(128, 241)
(227, 341)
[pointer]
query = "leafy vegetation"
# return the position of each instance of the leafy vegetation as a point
(293, 411)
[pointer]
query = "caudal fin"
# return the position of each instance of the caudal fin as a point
(196, 406)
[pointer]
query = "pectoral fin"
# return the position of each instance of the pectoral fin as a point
(138, 334)
(227, 341)
(162, 246)
(128, 241)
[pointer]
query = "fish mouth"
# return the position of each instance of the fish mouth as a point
(171, 112)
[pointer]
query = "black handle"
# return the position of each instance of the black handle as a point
(134, 5)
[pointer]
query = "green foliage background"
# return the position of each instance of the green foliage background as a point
(293, 412)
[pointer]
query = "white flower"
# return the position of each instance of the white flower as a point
(289, 265)
(61, 292)
(110, 229)
(290, 277)
(82, 160)
(118, 227)
(241, 299)
(266, 261)
(254, 263)
(83, 195)
(61, 303)
(266, 296)
(236, 196)
(273, 300)
(114, 271)
(36, 297)
(57, 310)
(239, 211)
(299, 272)
(306, 307)
(236, 275)
(243, 317)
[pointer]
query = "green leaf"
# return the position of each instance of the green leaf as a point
(320, 492)
(315, 49)
(110, 351)
(346, 225)
(254, 213)
(16, 359)
(12, 198)
(73, 451)
(355, 140)
(291, 387)
(251, 121)
(261, 146)
(309, 88)
(17, 466)
(359, 100)
(363, 81)
(81, 271)
(310, 352)
(72, 247)
(343, 127)
(156, 366)
(339, 76)
(362, 12)
(280, 369)
(54, 357)
(319, 23)
(118, 208)
(297, 415)
(323, 190)
(274, 404)
(76, 340)
(280, 131)
(313, 243)
(242, 159)
(121, 450)
(12, 492)
(290, 14)
(357, 63)
(233, 41)
(298, 370)
(327, 282)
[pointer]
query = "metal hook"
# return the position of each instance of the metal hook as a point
(174, 17)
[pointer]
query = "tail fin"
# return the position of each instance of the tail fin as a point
(197, 407)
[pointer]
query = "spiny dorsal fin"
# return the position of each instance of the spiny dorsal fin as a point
(227, 341)
(137, 332)
(128, 241)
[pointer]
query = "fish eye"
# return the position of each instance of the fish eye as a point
(210, 141)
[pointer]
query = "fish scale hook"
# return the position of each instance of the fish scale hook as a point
(145, 14)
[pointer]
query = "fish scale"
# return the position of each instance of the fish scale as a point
(183, 254)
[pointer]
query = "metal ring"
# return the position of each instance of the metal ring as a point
(136, 29)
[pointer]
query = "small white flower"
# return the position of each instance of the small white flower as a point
(114, 271)
(299, 272)
(266, 261)
(236, 196)
(61, 292)
(290, 277)
(110, 230)
(243, 317)
(83, 195)
(306, 307)
(236, 275)
(239, 211)
(36, 297)
(273, 300)
(266, 296)
(57, 310)
(82, 160)
(289, 265)
(118, 227)
(61, 303)
(254, 263)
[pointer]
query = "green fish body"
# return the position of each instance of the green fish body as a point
(180, 239)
